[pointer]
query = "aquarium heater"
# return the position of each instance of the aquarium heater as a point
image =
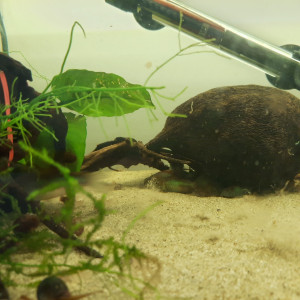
(280, 64)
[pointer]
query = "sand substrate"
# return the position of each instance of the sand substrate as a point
(203, 248)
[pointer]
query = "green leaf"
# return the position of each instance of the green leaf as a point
(98, 94)
(45, 141)
(76, 137)
(75, 142)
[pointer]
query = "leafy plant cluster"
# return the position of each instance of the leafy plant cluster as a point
(53, 259)
(86, 93)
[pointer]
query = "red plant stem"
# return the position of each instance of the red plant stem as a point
(7, 102)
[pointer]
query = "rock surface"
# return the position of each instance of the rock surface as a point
(244, 136)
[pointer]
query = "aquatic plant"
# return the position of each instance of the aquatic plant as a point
(87, 93)
(51, 259)
(98, 94)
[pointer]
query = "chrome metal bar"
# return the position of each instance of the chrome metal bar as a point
(268, 58)
(280, 64)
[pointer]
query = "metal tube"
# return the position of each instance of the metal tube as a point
(270, 59)
(280, 64)
(3, 35)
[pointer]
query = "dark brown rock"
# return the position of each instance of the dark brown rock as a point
(244, 136)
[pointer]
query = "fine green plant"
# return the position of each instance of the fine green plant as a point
(51, 259)
(99, 94)
(85, 93)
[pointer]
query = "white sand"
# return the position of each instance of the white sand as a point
(208, 248)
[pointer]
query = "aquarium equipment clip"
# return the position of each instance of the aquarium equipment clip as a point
(3, 36)
(280, 64)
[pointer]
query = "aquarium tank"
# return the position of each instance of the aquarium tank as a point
(149, 149)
